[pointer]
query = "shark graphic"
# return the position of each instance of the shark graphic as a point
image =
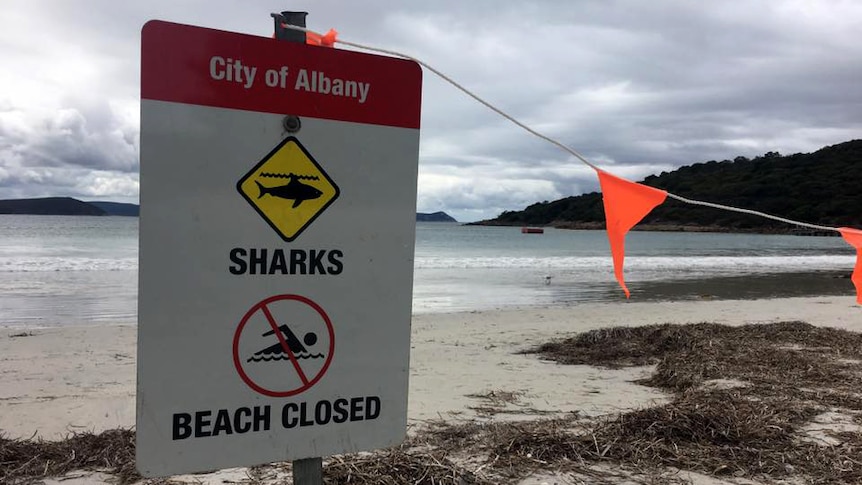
(294, 190)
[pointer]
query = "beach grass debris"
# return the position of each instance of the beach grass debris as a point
(777, 380)
(498, 397)
(26, 460)
(500, 401)
(400, 465)
(617, 347)
(786, 373)
(22, 334)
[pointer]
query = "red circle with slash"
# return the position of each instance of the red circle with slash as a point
(288, 348)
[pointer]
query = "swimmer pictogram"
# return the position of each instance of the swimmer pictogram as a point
(268, 353)
(278, 352)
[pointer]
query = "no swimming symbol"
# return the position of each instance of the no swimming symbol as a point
(283, 345)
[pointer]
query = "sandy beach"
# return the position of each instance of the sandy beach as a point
(54, 381)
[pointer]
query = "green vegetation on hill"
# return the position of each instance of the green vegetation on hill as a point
(822, 187)
(59, 206)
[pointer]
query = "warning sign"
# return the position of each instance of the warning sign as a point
(288, 188)
(237, 359)
(283, 345)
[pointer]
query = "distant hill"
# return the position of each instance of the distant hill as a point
(118, 208)
(820, 187)
(58, 206)
(67, 206)
(434, 217)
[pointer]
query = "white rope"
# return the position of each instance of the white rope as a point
(477, 98)
(558, 143)
(751, 212)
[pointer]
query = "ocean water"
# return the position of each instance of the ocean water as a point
(474, 267)
(63, 270)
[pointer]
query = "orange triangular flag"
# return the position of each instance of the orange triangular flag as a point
(626, 203)
(326, 40)
(854, 238)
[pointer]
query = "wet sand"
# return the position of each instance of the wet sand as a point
(749, 287)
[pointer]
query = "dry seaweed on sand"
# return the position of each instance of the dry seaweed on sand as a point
(507, 452)
(720, 433)
(787, 372)
(630, 346)
(785, 353)
(398, 466)
(498, 397)
(113, 451)
(499, 401)
(22, 334)
(622, 346)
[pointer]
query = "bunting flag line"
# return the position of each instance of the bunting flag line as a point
(854, 238)
(626, 203)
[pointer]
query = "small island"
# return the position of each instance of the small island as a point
(434, 217)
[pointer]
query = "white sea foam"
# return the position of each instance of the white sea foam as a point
(51, 264)
(632, 263)
(646, 263)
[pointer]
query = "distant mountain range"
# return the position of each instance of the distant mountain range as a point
(820, 188)
(67, 206)
(118, 209)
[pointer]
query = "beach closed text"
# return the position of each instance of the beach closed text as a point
(224, 422)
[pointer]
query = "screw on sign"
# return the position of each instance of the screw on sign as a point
(283, 345)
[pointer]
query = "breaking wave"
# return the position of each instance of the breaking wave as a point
(48, 264)
(729, 263)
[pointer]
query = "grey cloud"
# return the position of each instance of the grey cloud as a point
(88, 151)
(637, 87)
(68, 182)
(93, 139)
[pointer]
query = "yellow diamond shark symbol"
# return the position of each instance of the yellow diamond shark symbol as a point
(288, 188)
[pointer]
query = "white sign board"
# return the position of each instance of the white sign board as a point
(275, 268)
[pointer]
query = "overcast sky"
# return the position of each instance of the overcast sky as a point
(637, 87)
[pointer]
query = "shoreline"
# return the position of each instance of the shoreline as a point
(85, 377)
(748, 287)
(666, 227)
(556, 294)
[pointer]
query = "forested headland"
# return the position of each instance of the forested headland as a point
(823, 187)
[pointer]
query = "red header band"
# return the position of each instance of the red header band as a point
(194, 65)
